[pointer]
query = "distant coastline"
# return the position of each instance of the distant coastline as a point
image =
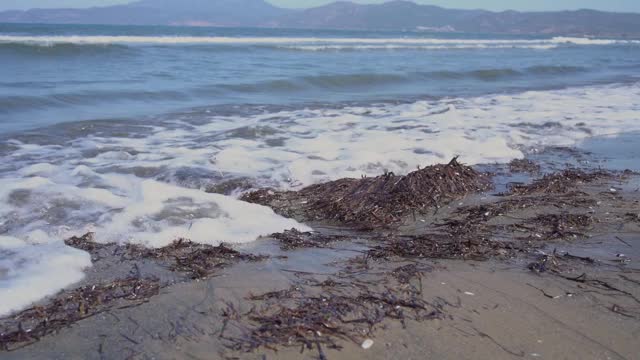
(342, 15)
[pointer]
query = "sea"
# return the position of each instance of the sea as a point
(148, 134)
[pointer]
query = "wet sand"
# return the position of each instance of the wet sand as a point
(562, 290)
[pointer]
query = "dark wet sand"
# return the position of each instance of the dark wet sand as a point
(496, 309)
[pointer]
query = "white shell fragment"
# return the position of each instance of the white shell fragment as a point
(367, 344)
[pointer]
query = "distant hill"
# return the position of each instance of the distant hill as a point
(393, 15)
(406, 15)
(157, 12)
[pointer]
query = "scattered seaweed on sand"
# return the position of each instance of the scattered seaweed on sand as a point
(294, 239)
(404, 274)
(195, 260)
(339, 310)
(562, 226)
(633, 217)
(383, 201)
(438, 246)
(350, 305)
(560, 182)
(563, 266)
(69, 307)
(524, 166)
(555, 262)
(513, 203)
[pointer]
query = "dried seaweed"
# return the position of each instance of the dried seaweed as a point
(382, 201)
(562, 226)
(524, 166)
(513, 203)
(560, 182)
(85, 242)
(404, 274)
(229, 187)
(197, 260)
(556, 263)
(633, 217)
(294, 239)
(437, 246)
(70, 307)
(200, 260)
(345, 310)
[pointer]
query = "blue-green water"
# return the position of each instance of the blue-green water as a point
(117, 130)
(93, 72)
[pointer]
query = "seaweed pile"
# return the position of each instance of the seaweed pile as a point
(198, 260)
(379, 202)
(69, 307)
(195, 260)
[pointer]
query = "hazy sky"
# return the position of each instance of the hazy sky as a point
(611, 5)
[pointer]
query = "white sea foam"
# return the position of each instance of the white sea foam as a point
(144, 188)
(413, 41)
(126, 208)
(41, 212)
(29, 272)
(418, 47)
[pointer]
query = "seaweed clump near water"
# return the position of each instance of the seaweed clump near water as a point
(72, 306)
(196, 260)
(378, 202)
(524, 166)
(560, 182)
(294, 239)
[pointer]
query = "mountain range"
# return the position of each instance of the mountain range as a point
(393, 15)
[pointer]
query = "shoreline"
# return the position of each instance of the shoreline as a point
(517, 271)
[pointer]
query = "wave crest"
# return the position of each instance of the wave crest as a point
(335, 43)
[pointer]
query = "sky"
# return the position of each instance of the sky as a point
(524, 5)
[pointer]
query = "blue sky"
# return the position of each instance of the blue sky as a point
(611, 5)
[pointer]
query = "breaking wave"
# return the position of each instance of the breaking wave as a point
(319, 42)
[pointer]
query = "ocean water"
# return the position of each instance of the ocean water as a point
(118, 130)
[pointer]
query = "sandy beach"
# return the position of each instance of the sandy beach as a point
(544, 264)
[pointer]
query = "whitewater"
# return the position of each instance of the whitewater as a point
(319, 43)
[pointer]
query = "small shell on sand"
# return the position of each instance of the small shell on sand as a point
(367, 344)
